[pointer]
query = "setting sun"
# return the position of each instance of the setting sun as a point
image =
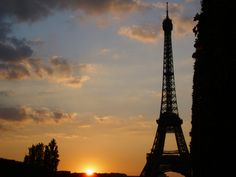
(89, 172)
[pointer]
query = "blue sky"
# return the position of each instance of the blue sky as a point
(89, 73)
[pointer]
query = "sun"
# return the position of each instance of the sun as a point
(89, 172)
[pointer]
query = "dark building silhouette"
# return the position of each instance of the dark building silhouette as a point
(213, 107)
(159, 160)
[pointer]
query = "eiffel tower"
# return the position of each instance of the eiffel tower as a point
(158, 160)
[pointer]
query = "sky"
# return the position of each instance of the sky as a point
(89, 74)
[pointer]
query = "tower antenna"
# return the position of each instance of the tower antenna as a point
(167, 9)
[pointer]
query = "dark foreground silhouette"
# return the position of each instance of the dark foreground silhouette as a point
(12, 168)
(69, 174)
(213, 108)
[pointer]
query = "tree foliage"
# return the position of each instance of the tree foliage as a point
(44, 155)
(213, 89)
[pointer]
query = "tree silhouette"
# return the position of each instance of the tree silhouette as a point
(51, 158)
(36, 155)
(213, 89)
(46, 156)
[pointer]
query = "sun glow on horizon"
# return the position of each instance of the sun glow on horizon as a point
(89, 172)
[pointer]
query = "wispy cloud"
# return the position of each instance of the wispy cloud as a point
(149, 33)
(7, 93)
(138, 124)
(37, 9)
(36, 41)
(63, 135)
(145, 34)
(105, 119)
(173, 7)
(155, 93)
(104, 51)
(19, 114)
(182, 25)
(56, 69)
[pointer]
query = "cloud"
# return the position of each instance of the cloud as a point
(182, 25)
(145, 33)
(36, 42)
(105, 119)
(13, 11)
(155, 93)
(16, 63)
(104, 51)
(97, 7)
(62, 135)
(2, 127)
(138, 124)
(29, 10)
(13, 71)
(19, 114)
(7, 93)
(75, 82)
(87, 68)
(14, 50)
(173, 7)
(46, 92)
(62, 72)
(56, 69)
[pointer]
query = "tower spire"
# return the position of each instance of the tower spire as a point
(167, 10)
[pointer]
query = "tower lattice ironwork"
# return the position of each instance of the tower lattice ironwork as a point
(159, 160)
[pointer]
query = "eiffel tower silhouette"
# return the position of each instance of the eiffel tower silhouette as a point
(158, 160)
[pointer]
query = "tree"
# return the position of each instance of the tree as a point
(46, 156)
(36, 155)
(214, 95)
(51, 158)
